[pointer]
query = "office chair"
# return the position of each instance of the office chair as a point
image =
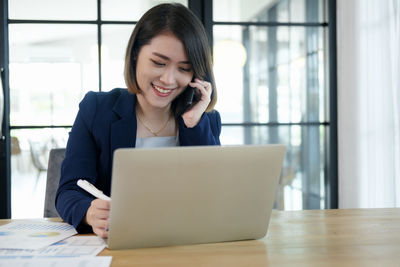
(53, 177)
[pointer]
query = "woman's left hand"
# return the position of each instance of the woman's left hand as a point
(192, 116)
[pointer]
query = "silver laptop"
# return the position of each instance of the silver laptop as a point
(191, 195)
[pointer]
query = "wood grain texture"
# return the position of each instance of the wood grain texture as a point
(348, 237)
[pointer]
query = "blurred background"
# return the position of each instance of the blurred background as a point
(271, 63)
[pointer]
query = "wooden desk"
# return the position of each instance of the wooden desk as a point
(354, 237)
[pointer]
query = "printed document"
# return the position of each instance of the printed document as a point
(31, 234)
(102, 261)
(74, 246)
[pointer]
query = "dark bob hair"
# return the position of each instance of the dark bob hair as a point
(184, 25)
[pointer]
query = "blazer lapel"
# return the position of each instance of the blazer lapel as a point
(123, 131)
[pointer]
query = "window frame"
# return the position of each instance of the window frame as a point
(204, 10)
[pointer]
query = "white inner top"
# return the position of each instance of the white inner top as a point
(157, 141)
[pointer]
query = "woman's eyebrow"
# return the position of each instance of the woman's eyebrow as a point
(167, 58)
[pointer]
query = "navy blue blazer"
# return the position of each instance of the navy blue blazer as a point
(107, 121)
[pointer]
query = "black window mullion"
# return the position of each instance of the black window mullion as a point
(272, 23)
(203, 10)
(38, 127)
(99, 41)
(332, 198)
(38, 21)
(5, 146)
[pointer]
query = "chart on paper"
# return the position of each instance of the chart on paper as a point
(27, 234)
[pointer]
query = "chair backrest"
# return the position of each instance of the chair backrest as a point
(56, 157)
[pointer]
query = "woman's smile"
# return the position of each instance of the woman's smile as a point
(162, 91)
(163, 71)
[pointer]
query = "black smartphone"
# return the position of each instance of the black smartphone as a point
(188, 99)
(189, 96)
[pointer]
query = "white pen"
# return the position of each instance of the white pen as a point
(88, 187)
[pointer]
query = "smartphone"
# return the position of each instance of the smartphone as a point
(188, 99)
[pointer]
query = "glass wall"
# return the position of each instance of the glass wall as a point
(270, 63)
(54, 61)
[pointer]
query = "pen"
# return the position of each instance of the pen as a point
(88, 187)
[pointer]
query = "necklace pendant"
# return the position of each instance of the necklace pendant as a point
(149, 129)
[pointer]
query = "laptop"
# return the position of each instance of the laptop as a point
(192, 195)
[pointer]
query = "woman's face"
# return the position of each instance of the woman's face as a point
(163, 71)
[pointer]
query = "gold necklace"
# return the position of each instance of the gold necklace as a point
(150, 130)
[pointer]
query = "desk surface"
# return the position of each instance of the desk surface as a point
(353, 237)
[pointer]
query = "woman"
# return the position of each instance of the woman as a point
(167, 54)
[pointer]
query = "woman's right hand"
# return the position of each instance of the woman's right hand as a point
(97, 216)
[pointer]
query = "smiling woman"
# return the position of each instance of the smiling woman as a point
(163, 72)
(168, 55)
(173, 40)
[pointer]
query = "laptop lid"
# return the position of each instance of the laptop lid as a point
(189, 195)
